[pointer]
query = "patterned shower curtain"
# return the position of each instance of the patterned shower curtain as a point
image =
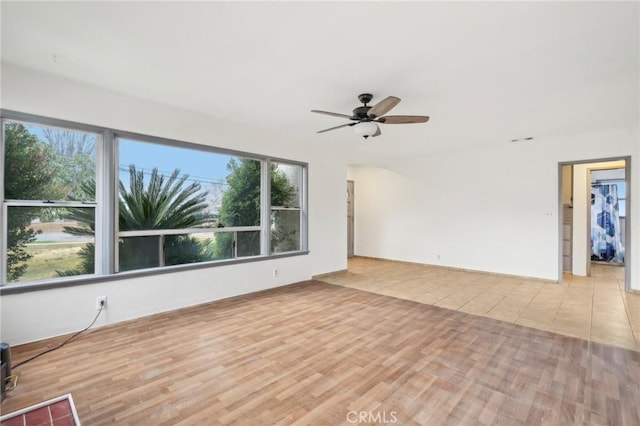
(606, 241)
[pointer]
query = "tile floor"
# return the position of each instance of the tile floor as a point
(56, 413)
(595, 308)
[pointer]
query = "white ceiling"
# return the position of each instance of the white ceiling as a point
(484, 72)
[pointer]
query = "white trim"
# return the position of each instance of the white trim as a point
(286, 208)
(185, 231)
(47, 203)
(265, 213)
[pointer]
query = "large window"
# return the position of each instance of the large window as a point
(179, 205)
(166, 203)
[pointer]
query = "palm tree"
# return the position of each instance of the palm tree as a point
(164, 203)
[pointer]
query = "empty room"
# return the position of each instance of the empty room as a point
(320, 213)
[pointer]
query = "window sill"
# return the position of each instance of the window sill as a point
(18, 288)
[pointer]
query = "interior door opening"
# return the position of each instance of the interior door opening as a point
(608, 216)
(594, 216)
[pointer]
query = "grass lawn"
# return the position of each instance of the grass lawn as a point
(51, 257)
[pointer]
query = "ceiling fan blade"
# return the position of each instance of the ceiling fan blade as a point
(337, 127)
(377, 133)
(403, 119)
(335, 114)
(383, 107)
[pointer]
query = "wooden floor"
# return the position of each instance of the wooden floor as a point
(320, 354)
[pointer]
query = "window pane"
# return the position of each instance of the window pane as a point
(622, 189)
(622, 208)
(48, 163)
(193, 248)
(240, 201)
(168, 187)
(285, 185)
(139, 253)
(223, 246)
(49, 242)
(285, 230)
(146, 252)
(248, 243)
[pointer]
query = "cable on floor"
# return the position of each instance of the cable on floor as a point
(61, 344)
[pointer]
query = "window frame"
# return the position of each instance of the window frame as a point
(134, 137)
(96, 204)
(106, 208)
(272, 208)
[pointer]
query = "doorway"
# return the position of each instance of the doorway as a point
(608, 215)
(592, 198)
(350, 219)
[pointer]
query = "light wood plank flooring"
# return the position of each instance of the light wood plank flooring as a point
(595, 308)
(320, 354)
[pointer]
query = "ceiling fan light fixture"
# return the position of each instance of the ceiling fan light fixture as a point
(365, 119)
(365, 128)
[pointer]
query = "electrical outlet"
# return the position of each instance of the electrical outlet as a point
(101, 302)
(275, 272)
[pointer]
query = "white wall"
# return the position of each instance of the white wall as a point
(494, 208)
(36, 315)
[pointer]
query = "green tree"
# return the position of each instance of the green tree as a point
(28, 175)
(75, 152)
(163, 203)
(241, 204)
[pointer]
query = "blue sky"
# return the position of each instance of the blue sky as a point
(201, 166)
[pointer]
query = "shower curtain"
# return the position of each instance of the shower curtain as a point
(606, 240)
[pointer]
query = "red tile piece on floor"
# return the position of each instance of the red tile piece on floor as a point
(14, 421)
(38, 417)
(60, 409)
(64, 421)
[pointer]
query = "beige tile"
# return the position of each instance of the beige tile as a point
(504, 313)
(453, 304)
(537, 314)
(476, 308)
(628, 343)
(534, 322)
(571, 329)
(595, 307)
(603, 333)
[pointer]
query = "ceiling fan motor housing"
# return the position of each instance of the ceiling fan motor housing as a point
(360, 113)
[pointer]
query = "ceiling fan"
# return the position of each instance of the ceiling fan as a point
(366, 118)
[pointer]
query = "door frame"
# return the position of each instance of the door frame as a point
(351, 223)
(628, 223)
